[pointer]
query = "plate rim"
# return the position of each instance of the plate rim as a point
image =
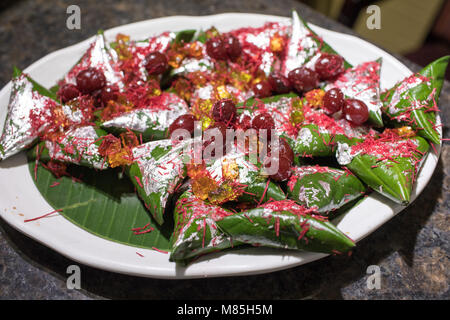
(175, 272)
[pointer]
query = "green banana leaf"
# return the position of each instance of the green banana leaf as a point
(285, 224)
(392, 177)
(195, 232)
(103, 203)
(412, 102)
(323, 188)
(158, 170)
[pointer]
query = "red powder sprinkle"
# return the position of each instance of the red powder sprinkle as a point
(389, 146)
(277, 226)
(159, 250)
(139, 254)
(245, 215)
(264, 193)
(139, 182)
(434, 148)
(141, 228)
(204, 232)
(143, 231)
(43, 216)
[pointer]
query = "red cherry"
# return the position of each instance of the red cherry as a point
(263, 121)
(329, 65)
(224, 111)
(155, 63)
(109, 93)
(280, 84)
(303, 79)
(233, 47)
(221, 127)
(245, 122)
(333, 100)
(355, 111)
(284, 167)
(216, 48)
(67, 92)
(284, 149)
(262, 89)
(185, 121)
(90, 80)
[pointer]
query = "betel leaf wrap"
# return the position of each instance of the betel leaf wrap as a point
(304, 47)
(392, 171)
(78, 146)
(285, 224)
(29, 108)
(280, 108)
(323, 188)
(150, 123)
(413, 101)
(236, 172)
(319, 140)
(195, 232)
(100, 56)
(362, 82)
(158, 170)
(256, 43)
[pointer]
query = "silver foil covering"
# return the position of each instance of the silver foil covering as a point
(203, 215)
(343, 154)
(251, 38)
(18, 131)
(78, 146)
(337, 126)
(247, 170)
(300, 172)
(361, 82)
(398, 94)
(207, 92)
(140, 49)
(280, 111)
(100, 56)
(162, 166)
(302, 48)
(346, 153)
(156, 118)
(188, 65)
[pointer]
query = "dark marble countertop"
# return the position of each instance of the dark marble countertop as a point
(412, 250)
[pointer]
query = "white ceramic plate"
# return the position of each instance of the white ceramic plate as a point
(20, 199)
